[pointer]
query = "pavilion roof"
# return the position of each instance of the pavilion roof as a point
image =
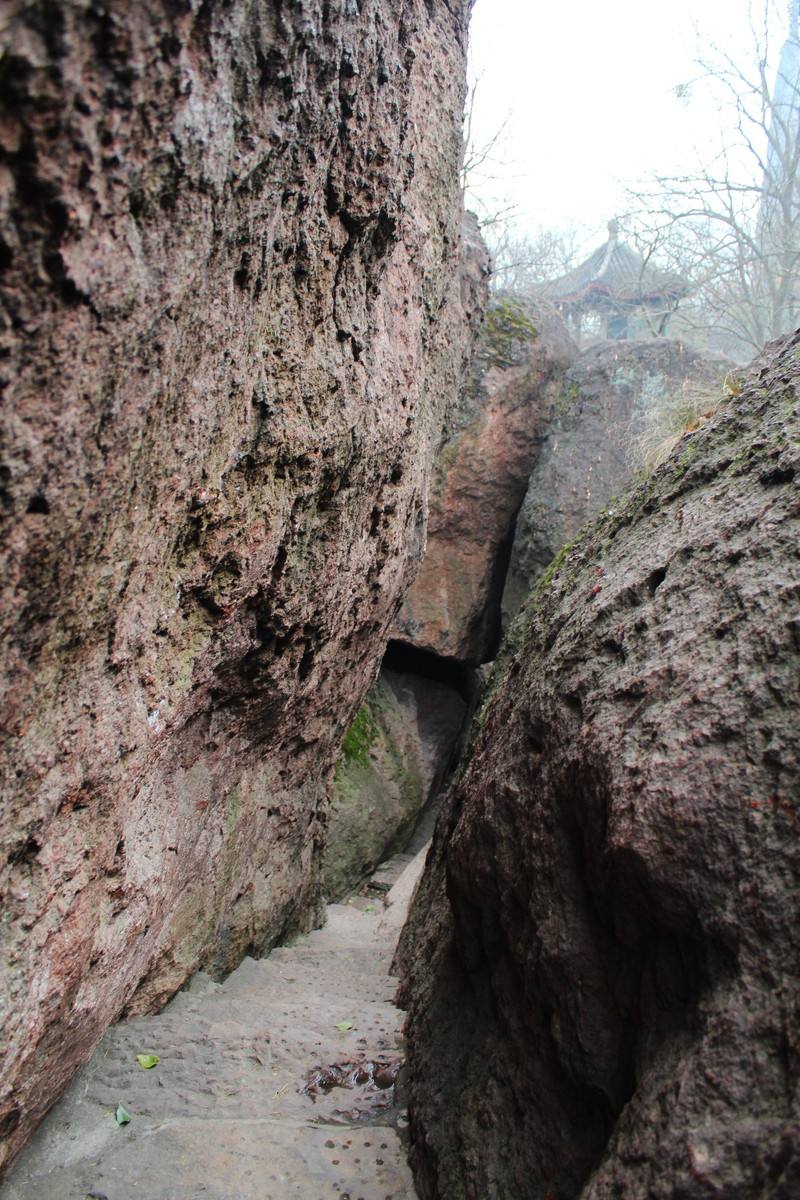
(616, 276)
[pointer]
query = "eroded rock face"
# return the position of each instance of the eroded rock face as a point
(492, 443)
(394, 758)
(232, 323)
(589, 450)
(602, 967)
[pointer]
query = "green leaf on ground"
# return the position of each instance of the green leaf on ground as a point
(370, 908)
(343, 1025)
(147, 1060)
(122, 1115)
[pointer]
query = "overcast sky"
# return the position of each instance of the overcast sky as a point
(590, 89)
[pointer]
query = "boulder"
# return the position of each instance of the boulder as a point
(601, 966)
(491, 444)
(229, 251)
(394, 758)
(589, 450)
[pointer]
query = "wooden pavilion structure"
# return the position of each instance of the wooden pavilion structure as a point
(616, 285)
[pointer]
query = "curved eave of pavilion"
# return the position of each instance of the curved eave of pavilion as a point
(597, 295)
(616, 277)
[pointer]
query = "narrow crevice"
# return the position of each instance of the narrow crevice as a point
(492, 617)
(410, 660)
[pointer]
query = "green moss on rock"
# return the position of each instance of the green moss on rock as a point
(507, 328)
(567, 399)
(360, 737)
(377, 793)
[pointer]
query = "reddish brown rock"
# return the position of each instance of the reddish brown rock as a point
(589, 452)
(602, 966)
(453, 608)
(231, 323)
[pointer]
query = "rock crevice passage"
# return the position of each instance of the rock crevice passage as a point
(280, 1082)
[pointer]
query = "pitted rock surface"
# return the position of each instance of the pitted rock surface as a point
(601, 966)
(232, 323)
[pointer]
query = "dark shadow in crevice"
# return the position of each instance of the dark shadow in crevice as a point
(492, 616)
(410, 660)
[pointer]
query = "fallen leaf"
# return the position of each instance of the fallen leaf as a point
(147, 1060)
(343, 1025)
(122, 1116)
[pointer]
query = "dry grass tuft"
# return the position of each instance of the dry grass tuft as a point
(678, 413)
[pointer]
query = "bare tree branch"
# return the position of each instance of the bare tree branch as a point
(732, 227)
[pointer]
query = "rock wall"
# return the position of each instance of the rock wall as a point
(229, 237)
(394, 758)
(589, 450)
(492, 443)
(601, 966)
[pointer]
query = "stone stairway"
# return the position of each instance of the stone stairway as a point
(240, 1105)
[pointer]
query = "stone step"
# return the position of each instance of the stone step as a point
(239, 1104)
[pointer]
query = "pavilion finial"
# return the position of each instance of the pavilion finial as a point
(613, 229)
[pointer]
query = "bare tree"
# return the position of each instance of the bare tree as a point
(484, 163)
(732, 226)
(520, 261)
(527, 262)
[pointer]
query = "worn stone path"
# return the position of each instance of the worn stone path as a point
(222, 1116)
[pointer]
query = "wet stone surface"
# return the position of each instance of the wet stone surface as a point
(256, 1092)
